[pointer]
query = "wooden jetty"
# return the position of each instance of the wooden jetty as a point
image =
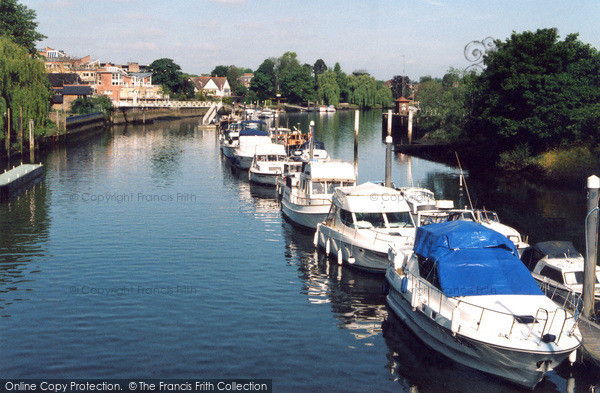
(13, 180)
(590, 332)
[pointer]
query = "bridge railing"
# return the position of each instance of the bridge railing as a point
(163, 104)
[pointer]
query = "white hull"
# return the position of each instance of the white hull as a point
(267, 179)
(242, 162)
(522, 367)
(356, 255)
(306, 216)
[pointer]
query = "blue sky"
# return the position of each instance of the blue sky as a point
(423, 37)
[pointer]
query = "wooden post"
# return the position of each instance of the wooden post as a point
(57, 125)
(21, 130)
(410, 124)
(7, 142)
(31, 143)
(591, 242)
(388, 151)
(356, 144)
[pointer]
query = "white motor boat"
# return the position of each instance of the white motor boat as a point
(306, 198)
(558, 265)
(363, 222)
(267, 164)
(230, 140)
(464, 292)
(250, 136)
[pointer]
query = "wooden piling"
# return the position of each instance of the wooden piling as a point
(388, 151)
(7, 142)
(356, 118)
(31, 143)
(591, 241)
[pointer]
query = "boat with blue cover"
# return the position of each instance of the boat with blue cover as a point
(465, 293)
(252, 134)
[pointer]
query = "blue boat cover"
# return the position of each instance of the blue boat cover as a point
(473, 260)
(253, 132)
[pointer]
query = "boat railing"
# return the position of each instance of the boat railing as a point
(560, 294)
(308, 201)
(463, 314)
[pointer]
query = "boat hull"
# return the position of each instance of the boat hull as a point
(242, 162)
(525, 368)
(304, 216)
(266, 179)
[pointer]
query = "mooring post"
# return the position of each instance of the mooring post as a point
(21, 130)
(356, 144)
(591, 242)
(388, 151)
(311, 144)
(31, 143)
(7, 143)
(410, 121)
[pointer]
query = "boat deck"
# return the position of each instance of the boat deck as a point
(590, 332)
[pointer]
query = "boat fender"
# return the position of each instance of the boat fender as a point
(340, 256)
(404, 284)
(573, 357)
(351, 260)
(327, 247)
(455, 327)
(385, 288)
(316, 238)
(414, 300)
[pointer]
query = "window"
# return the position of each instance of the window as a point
(552, 274)
(331, 185)
(575, 278)
(346, 218)
(375, 219)
(399, 220)
(428, 271)
(318, 187)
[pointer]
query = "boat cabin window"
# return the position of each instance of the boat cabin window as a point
(531, 257)
(375, 220)
(346, 218)
(428, 271)
(318, 187)
(552, 274)
(331, 185)
(575, 278)
(399, 220)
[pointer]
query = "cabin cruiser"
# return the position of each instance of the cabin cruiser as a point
(487, 218)
(267, 164)
(558, 265)
(306, 198)
(304, 153)
(362, 223)
(464, 292)
(230, 139)
(252, 133)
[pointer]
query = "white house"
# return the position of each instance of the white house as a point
(212, 86)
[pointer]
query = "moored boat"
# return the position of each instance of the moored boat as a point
(466, 294)
(252, 133)
(362, 224)
(267, 164)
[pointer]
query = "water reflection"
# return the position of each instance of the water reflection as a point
(24, 227)
(355, 297)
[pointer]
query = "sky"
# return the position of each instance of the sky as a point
(385, 38)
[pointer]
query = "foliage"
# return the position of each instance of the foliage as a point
(342, 82)
(295, 80)
(366, 92)
(83, 105)
(399, 85)
(18, 23)
(328, 89)
(263, 84)
(167, 73)
(23, 84)
(538, 90)
(233, 77)
(220, 71)
(318, 68)
(568, 164)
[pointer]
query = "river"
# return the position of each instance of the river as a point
(141, 254)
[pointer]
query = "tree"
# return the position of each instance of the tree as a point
(263, 83)
(366, 92)
(23, 84)
(168, 74)
(328, 89)
(537, 90)
(342, 82)
(233, 76)
(400, 86)
(220, 71)
(295, 81)
(18, 23)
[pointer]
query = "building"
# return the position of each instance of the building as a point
(119, 85)
(246, 79)
(212, 86)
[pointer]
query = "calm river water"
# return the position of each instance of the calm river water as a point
(142, 255)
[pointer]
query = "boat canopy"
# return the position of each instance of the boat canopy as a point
(558, 249)
(324, 170)
(370, 198)
(270, 148)
(253, 132)
(472, 260)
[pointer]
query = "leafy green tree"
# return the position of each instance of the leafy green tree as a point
(167, 73)
(295, 81)
(23, 84)
(399, 85)
(365, 91)
(220, 71)
(263, 84)
(328, 89)
(342, 83)
(18, 23)
(233, 76)
(537, 90)
(83, 106)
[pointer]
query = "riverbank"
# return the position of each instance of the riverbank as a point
(568, 165)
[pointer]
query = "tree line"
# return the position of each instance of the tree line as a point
(536, 93)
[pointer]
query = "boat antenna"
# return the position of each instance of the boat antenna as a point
(464, 180)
